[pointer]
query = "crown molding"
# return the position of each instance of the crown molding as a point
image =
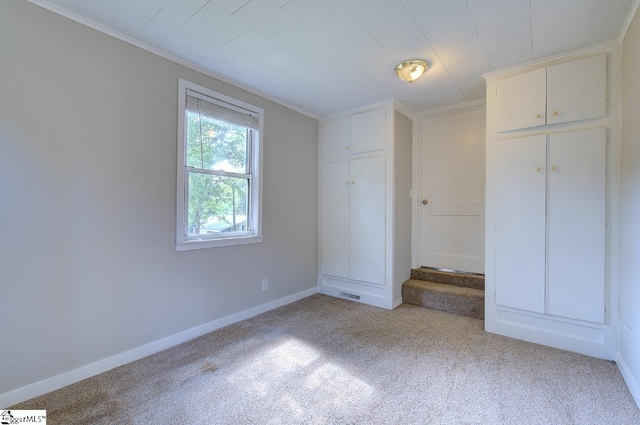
(158, 52)
(402, 108)
(607, 46)
(387, 103)
(628, 19)
(459, 107)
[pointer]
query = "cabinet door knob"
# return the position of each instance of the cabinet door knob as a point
(556, 113)
(346, 182)
(538, 116)
(352, 182)
(346, 148)
(425, 202)
(538, 169)
(554, 168)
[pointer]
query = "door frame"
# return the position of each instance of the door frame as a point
(416, 178)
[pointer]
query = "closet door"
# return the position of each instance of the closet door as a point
(576, 225)
(334, 224)
(367, 239)
(520, 223)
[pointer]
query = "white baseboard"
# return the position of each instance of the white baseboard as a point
(397, 302)
(633, 385)
(67, 378)
(627, 360)
(590, 339)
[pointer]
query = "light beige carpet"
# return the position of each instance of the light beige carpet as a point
(327, 361)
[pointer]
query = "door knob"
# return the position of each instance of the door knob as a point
(425, 202)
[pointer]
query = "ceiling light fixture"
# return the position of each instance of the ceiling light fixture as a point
(410, 70)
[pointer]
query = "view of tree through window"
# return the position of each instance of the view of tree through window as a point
(218, 167)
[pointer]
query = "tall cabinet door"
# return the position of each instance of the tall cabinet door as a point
(520, 223)
(336, 184)
(368, 219)
(576, 224)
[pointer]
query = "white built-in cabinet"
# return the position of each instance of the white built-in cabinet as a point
(550, 224)
(361, 132)
(546, 218)
(356, 194)
(353, 219)
(565, 92)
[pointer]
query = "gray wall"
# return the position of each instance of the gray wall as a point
(630, 206)
(402, 231)
(88, 266)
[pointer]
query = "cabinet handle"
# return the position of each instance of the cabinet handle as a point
(554, 168)
(539, 116)
(556, 113)
(538, 169)
(346, 148)
(352, 182)
(346, 182)
(425, 202)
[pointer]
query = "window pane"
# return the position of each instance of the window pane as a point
(217, 204)
(216, 145)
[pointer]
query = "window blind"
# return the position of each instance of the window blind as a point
(221, 111)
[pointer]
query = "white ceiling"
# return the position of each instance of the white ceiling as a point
(323, 56)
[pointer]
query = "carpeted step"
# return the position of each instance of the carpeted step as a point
(465, 280)
(440, 296)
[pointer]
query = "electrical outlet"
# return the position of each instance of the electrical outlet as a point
(265, 284)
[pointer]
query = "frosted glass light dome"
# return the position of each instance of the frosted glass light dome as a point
(410, 70)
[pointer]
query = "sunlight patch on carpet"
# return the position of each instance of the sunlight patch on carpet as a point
(277, 364)
(294, 361)
(344, 386)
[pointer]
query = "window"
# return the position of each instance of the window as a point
(219, 159)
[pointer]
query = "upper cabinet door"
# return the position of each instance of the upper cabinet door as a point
(577, 90)
(521, 100)
(335, 137)
(368, 131)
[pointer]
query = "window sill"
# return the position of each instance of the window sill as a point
(214, 243)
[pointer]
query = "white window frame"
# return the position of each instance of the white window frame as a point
(185, 242)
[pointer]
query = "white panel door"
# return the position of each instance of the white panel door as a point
(521, 100)
(576, 224)
(334, 224)
(577, 90)
(520, 223)
(452, 194)
(367, 239)
(368, 130)
(335, 137)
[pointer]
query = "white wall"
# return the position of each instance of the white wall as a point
(629, 307)
(88, 267)
(402, 204)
